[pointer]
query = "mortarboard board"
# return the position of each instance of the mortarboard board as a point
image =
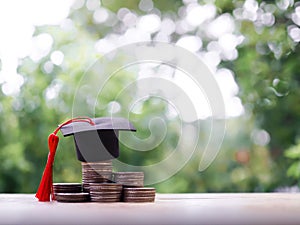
(99, 141)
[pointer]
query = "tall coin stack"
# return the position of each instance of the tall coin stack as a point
(96, 172)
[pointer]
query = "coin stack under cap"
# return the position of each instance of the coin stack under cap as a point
(129, 179)
(140, 194)
(105, 192)
(72, 197)
(96, 172)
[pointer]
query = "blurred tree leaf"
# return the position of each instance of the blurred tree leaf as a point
(294, 170)
(293, 152)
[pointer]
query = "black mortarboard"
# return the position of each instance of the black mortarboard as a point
(97, 142)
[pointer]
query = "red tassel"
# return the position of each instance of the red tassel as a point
(45, 188)
(46, 185)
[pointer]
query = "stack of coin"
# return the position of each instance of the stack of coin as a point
(142, 194)
(96, 172)
(105, 192)
(72, 197)
(67, 188)
(129, 179)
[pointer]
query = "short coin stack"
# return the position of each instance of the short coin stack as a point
(96, 172)
(105, 192)
(140, 194)
(129, 179)
(69, 192)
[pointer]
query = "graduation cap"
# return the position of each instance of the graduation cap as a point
(95, 140)
(99, 141)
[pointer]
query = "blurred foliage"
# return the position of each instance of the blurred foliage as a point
(293, 153)
(269, 88)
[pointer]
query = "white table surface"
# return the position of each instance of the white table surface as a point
(240, 208)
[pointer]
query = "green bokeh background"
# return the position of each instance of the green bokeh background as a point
(28, 118)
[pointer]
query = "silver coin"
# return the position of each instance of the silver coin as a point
(72, 197)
